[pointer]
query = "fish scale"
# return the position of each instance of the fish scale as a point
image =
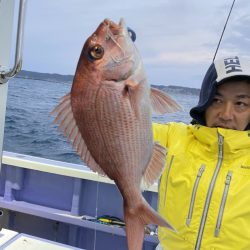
(119, 126)
(125, 128)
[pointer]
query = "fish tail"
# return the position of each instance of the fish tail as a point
(136, 218)
(134, 230)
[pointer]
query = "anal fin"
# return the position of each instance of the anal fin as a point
(155, 166)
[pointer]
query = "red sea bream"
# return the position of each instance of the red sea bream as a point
(107, 117)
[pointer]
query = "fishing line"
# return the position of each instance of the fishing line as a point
(223, 30)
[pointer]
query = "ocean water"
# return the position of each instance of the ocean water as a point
(29, 128)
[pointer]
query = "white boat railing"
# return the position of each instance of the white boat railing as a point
(57, 167)
(7, 16)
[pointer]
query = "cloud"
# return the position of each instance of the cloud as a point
(177, 34)
(179, 57)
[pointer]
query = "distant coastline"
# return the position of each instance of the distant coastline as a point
(24, 74)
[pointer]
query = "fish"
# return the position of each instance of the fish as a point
(107, 117)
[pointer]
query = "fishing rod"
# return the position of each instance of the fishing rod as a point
(224, 28)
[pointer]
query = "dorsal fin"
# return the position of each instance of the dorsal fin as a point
(163, 103)
(155, 166)
(67, 124)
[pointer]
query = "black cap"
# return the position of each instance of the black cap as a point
(218, 72)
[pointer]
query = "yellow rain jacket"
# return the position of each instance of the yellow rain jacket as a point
(204, 190)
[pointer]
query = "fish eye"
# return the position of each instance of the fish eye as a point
(96, 52)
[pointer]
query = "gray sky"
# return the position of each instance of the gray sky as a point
(176, 38)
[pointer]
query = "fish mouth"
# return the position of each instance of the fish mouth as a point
(119, 34)
(122, 23)
(116, 29)
(109, 22)
(124, 58)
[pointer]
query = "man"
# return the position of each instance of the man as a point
(204, 190)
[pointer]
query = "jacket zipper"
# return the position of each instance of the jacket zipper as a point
(210, 192)
(223, 202)
(169, 168)
(196, 184)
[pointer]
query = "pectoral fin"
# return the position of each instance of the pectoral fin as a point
(133, 91)
(162, 103)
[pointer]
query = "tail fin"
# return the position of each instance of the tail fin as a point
(136, 218)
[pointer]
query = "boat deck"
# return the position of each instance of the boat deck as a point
(54, 200)
(11, 240)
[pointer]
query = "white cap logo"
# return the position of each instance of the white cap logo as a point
(231, 66)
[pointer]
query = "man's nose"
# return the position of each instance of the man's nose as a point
(226, 112)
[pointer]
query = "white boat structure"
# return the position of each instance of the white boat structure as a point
(47, 204)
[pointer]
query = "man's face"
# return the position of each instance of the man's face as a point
(230, 107)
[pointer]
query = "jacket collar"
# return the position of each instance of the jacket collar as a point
(233, 140)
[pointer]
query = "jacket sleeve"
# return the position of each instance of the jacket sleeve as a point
(160, 133)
